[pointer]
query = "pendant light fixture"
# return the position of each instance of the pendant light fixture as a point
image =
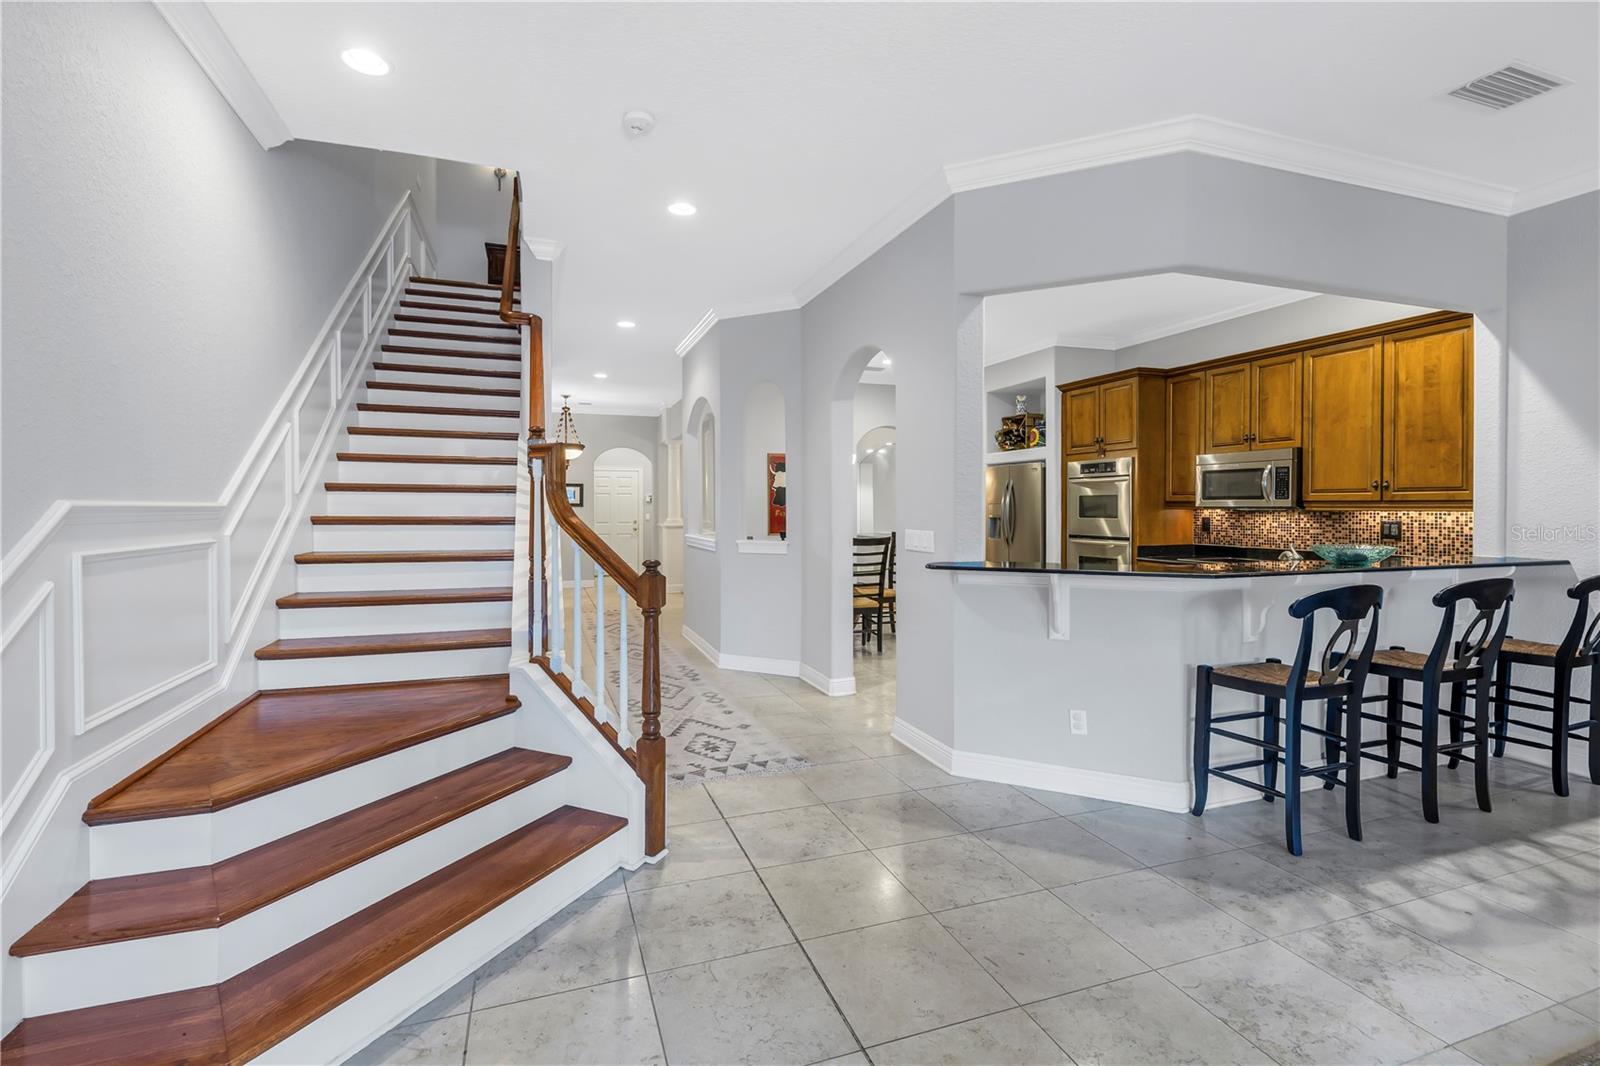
(566, 432)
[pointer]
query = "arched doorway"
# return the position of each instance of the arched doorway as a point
(622, 486)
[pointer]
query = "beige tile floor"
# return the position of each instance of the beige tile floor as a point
(873, 908)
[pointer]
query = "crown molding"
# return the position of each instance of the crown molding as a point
(1018, 351)
(1255, 307)
(701, 328)
(1552, 192)
(924, 198)
(545, 248)
(199, 32)
(1244, 144)
(767, 307)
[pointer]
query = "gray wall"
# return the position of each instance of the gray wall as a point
(602, 432)
(163, 274)
(1553, 403)
(702, 576)
(471, 211)
(1313, 317)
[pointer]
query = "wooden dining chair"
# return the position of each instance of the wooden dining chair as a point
(868, 580)
(888, 596)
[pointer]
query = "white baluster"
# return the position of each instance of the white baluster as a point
(600, 643)
(536, 563)
(558, 648)
(622, 670)
(577, 618)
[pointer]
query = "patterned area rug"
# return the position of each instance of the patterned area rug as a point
(709, 735)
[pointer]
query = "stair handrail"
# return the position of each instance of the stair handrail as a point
(547, 463)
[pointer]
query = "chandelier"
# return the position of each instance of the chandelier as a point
(566, 431)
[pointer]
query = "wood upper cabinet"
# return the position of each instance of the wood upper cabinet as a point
(1427, 415)
(1253, 405)
(1343, 457)
(1080, 418)
(1227, 408)
(1119, 422)
(1275, 398)
(1185, 427)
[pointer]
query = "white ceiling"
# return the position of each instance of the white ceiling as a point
(798, 127)
(1119, 313)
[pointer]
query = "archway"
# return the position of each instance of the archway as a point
(620, 503)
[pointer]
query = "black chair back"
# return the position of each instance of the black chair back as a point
(1347, 664)
(1579, 642)
(1480, 644)
(870, 563)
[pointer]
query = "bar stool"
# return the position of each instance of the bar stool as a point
(1474, 659)
(1341, 675)
(1579, 648)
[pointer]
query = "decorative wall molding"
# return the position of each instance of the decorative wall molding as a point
(279, 455)
(544, 248)
(763, 547)
(136, 605)
(41, 608)
(699, 330)
(706, 542)
(197, 28)
(702, 645)
(1552, 192)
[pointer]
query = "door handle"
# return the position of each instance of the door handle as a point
(1266, 483)
(1008, 512)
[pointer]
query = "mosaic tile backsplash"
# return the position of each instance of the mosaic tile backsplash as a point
(1421, 532)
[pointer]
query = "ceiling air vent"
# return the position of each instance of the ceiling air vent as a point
(1505, 87)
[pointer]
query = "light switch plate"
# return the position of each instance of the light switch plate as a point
(919, 540)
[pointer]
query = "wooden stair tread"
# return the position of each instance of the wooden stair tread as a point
(249, 1013)
(418, 279)
(412, 520)
(475, 297)
(454, 390)
(438, 434)
(451, 353)
(403, 331)
(423, 305)
(464, 412)
(464, 372)
(204, 897)
(384, 644)
(417, 457)
(399, 486)
(442, 321)
(395, 598)
(476, 555)
(277, 739)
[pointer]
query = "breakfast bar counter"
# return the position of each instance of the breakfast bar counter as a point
(1082, 681)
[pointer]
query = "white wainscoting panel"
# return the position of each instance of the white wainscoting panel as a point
(316, 409)
(145, 619)
(254, 525)
(28, 694)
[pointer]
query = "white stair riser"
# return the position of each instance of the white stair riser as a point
(203, 839)
(428, 377)
(401, 618)
(361, 669)
(86, 977)
(376, 577)
(428, 473)
(416, 420)
(411, 503)
(362, 1018)
(488, 328)
(394, 444)
(454, 297)
(477, 338)
(411, 538)
(459, 362)
(378, 393)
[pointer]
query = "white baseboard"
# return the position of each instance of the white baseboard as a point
(828, 686)
(703, 646)
(750, 664)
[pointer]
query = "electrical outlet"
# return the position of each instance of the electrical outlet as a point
(1079, 720)
(1389, 530)
(1205, 524)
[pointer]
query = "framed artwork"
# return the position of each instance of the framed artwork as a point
(575, 494)
(777, 494)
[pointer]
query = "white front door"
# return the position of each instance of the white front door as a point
(619, 511)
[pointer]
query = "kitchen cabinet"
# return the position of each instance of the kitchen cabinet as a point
(1100, 418)
(1343, 457)
(1427, 415)
(1185, 427)
(1253, 405)
(1080, 421)
(1118, 414)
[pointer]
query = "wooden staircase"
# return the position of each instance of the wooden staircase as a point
(313, 849)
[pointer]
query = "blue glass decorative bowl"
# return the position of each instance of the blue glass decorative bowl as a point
(1353, 555)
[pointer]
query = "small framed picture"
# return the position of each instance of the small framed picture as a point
(575, 494)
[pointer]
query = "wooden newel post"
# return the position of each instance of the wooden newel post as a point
(652, 749)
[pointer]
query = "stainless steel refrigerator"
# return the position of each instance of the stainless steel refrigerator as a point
(1014, 514)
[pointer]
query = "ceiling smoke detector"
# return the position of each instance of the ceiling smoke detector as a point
(637, 123)
(1506, 87)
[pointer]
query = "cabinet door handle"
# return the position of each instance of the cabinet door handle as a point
(1374, 484)
(1386, 485)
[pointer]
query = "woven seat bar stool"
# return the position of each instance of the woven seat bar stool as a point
(1341, 675)
(1469, 661)
(1579, 648)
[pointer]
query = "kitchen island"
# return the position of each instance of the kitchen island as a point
(1082, 681)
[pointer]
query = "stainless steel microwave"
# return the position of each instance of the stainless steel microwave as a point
(1266, 480)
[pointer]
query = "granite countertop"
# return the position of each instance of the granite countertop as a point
(1220, 561)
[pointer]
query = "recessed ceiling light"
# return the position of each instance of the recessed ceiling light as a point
(887, 361)
(600, 374)
(683, 208)
(625, 324)
(365, 61)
